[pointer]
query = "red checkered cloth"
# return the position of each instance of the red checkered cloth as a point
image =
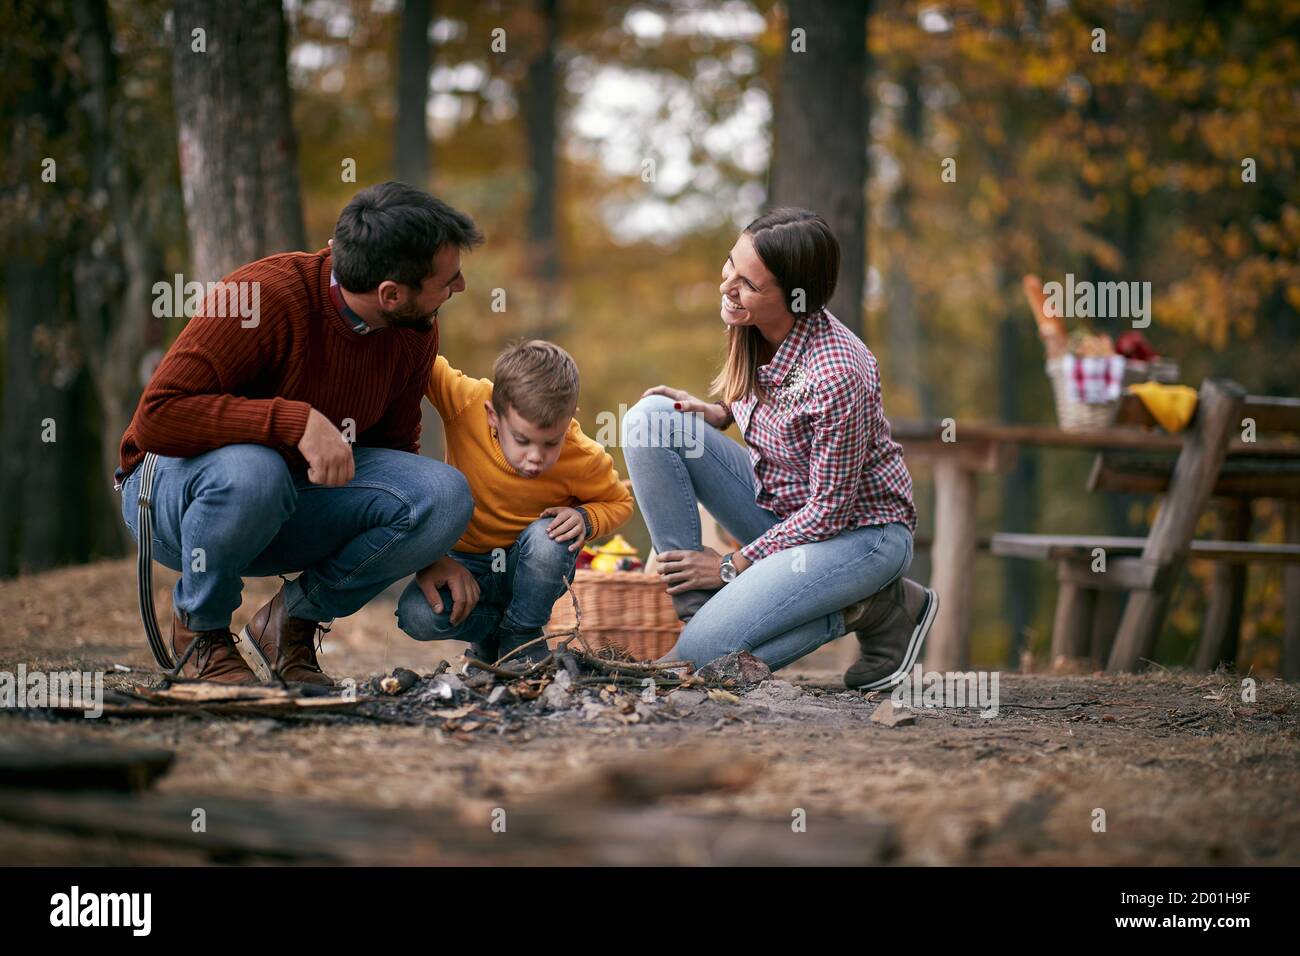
(1093, 380)
(822, 452)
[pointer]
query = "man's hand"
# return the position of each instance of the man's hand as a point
(692, 570)
(567, 526)
(328, 453)
(449, 573)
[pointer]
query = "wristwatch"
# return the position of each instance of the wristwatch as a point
(586, 522)
(726, 409)
(728, 570)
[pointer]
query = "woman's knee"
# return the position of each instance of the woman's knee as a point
(653, 422)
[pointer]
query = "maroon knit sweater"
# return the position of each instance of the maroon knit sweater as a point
(223, 384)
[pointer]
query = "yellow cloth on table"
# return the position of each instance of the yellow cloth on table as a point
(1171, 405)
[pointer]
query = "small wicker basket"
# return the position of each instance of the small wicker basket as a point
(626, 609)
(1076, 416)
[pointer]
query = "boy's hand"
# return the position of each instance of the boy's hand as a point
(449, 573)
(567, 526)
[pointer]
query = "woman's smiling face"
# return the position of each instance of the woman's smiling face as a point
(750, 294)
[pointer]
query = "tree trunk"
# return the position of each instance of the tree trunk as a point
(1019, 506)
(46, 512)
(114, 273)
(902, 314)
(411, 149)
(821, 134)
(539, 104)
(238, 153)
(47, 515)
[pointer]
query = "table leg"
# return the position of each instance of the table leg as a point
(1221, 632)
(1291, 599)
(953, 561)
(1072, 628)
(1105, 622)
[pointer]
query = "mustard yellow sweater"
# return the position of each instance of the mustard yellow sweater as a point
(505, 502)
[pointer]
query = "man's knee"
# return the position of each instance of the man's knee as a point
(255, 477)
(440, 495)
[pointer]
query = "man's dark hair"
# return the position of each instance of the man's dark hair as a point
(393, 231)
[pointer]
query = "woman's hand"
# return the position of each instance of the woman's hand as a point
(713, 412)
(691, 570)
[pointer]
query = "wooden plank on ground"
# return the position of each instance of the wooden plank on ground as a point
(81, 766)
(612, 820)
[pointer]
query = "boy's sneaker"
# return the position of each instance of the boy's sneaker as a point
(533, 655)
(891, 626)
(525, 659)
(484, 649)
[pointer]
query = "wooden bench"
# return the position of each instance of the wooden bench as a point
(1096, 572)
(1089, 604)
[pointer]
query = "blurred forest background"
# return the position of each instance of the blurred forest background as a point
(611, 151)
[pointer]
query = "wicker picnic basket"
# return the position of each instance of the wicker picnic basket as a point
(1077, 416)
(627, 609)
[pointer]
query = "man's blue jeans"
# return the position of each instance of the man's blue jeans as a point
(780, 608)
(238, 511)
(518, 586)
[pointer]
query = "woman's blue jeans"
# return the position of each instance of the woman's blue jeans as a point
(782, 607)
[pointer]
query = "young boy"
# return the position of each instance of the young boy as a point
(541, 489)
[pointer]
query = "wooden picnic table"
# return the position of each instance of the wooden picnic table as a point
(958, 452)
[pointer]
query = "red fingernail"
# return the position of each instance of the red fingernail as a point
(677, 405)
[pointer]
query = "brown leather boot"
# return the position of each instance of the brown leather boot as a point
(891, 626)
(214, 657)
(287, 645)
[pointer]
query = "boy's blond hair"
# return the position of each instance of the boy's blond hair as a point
(539, 379)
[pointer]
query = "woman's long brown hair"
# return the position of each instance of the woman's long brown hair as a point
(802, 253)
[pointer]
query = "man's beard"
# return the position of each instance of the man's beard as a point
(410, 317)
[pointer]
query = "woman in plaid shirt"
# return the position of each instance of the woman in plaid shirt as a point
(821, 494)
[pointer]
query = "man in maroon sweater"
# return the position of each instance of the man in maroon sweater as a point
(287, 440)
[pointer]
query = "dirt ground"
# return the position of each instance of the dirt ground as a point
(1185, 771)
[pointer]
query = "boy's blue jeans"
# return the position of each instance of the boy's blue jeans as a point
(238, 511)
(518, 586)
(780, 608)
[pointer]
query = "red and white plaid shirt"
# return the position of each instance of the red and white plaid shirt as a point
(820, 445)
